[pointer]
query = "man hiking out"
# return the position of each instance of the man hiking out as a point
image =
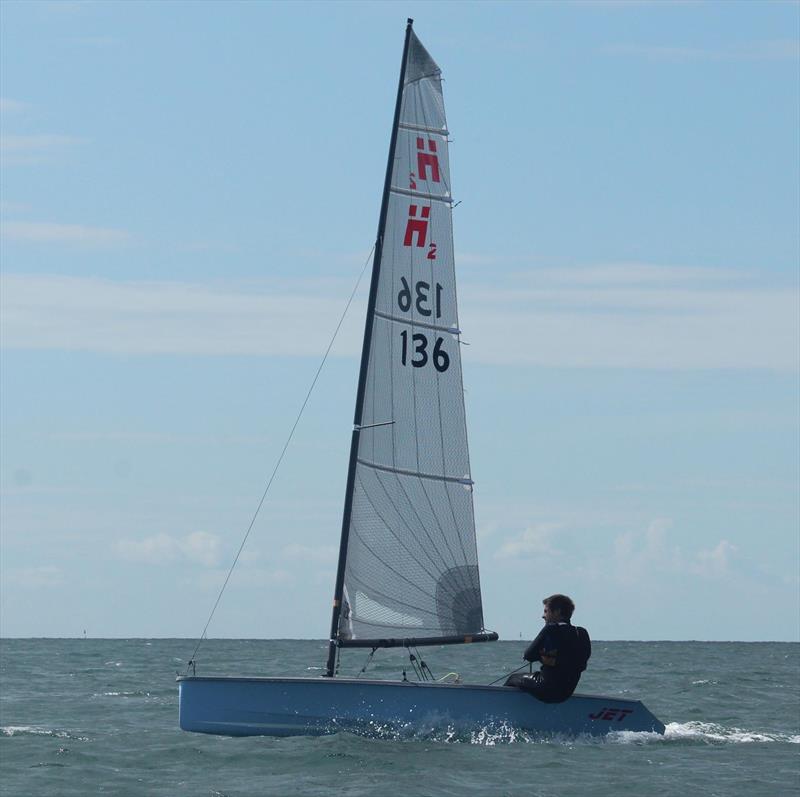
(563, 650)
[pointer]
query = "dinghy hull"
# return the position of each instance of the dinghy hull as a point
(315, 706)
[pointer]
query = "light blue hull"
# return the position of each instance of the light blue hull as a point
(313, 706)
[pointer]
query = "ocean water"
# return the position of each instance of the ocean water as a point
(82, 717)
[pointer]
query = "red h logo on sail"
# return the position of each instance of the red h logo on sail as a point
(417, 226)
(425, 159)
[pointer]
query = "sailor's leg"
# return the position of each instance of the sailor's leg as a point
(525, 680)
(547, 693)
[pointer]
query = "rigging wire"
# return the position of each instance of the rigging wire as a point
(529, 665)
(421, 669)
(424, 668)
(366, 663)
(192, 660)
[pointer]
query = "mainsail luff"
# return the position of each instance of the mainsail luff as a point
(365, 351)
(408, 571)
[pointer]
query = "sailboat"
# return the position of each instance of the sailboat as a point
(408, 566)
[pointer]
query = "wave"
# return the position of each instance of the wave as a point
(491, 735)
(713, 733)
(702, 733)
(36, 730)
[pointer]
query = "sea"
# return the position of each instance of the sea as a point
(100, 716)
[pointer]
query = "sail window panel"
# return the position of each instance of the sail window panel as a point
(421, 163)
(422, 407)
(367, 607)
(383, 550)
(412, 560)
(430, 520)
(423, 106)
(417, 281)
(381, 566)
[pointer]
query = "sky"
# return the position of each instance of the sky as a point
(189, 193)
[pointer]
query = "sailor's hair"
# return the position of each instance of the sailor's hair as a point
(560, 603)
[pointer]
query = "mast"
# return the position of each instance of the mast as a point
(362, 376)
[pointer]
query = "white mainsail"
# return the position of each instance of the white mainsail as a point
(411, 566)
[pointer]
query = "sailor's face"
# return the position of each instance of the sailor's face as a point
(551, 616)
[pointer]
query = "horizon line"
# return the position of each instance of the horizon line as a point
(325, 641)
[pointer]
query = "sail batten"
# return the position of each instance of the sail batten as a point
(417, 323)
(419, 474)
(408, 560)
(440, 131)
(420, 195)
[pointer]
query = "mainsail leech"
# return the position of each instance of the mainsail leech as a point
(408, 565)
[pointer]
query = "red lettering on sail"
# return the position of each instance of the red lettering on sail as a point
(425, 159)
(417, 226)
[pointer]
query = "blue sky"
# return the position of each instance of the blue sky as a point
(189, 192)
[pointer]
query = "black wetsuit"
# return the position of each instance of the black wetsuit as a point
(563, 649)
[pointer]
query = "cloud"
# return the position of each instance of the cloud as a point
(638, 554)
(7, 105)
(613, 275)
(13, 207)
(535, 541)
(632, 316)
(768, 50)
(714, 563)
(47, 233)
(258, 577)
(36, 577)
(324, 554)
(63, 7)
(199, 547)
(633, 557)
(619, 316)
(33, 148)
(169, 318)
(95, 41)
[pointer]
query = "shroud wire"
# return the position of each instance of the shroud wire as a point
(192, 660)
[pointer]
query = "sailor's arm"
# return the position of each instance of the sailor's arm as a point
(533, 650)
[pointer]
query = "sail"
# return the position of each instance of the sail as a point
(410, 563)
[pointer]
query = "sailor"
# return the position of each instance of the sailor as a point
(563, 650)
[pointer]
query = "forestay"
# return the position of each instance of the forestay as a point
(411, 566)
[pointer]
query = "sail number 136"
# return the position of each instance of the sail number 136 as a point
(426, 303)
(420, 356)
(422, 299)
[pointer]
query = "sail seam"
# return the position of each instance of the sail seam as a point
(408, 527)
(441, 426)
(417, 474)
(370, 591)
(426, 624)
(413, 508)
(419, 110)
(366, 545)
(408, 523)
(413, 323)
(426, 76)
(389, 528)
